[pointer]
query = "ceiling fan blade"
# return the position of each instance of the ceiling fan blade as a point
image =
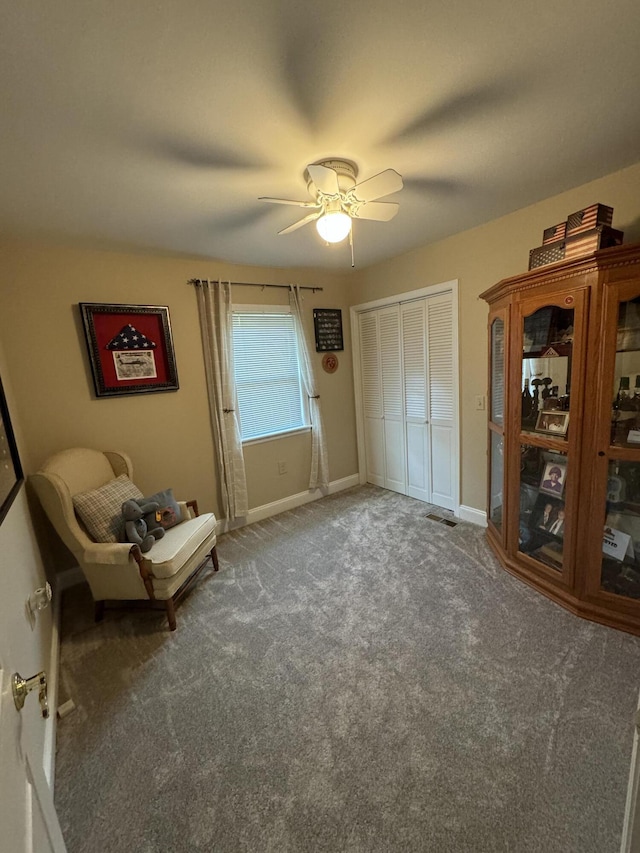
(379, 185)
(289, 201)
(326, 180)
(380, 211)
(308, 218)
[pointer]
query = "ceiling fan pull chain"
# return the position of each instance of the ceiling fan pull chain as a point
(353, 263)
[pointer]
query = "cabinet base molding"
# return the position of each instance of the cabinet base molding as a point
(579, 607)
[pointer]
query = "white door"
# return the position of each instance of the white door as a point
(414, 359)
(28, 822)
(442, 402)
(408, 378)
(631, 827)
(372, 397)
(395, 469)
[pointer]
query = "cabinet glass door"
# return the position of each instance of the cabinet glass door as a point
(544, 475)
(496, 479)
(546, 370)
(620, 561)
(625, 394)
(497, 372)
(621, 541)
(496, 421)
(552, 345)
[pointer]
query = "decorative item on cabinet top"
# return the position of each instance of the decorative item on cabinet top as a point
(588, 218)
(554, 233)
(583, 232)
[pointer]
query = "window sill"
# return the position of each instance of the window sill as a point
(260, 439)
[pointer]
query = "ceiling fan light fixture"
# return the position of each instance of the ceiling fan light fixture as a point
(334, 226)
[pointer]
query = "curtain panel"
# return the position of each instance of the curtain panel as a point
(319, 476)
(214, 309)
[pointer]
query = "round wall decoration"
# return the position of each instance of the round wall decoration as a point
(329, 362)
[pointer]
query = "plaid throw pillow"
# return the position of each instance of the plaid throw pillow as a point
(101, 509)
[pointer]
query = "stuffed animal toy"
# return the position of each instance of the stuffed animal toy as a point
(135, 527)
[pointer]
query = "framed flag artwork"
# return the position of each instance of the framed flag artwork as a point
(130, 348)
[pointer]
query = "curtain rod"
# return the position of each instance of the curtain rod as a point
(196, 282)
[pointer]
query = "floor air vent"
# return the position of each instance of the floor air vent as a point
(446, 521)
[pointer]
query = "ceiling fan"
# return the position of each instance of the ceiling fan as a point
(337, 198)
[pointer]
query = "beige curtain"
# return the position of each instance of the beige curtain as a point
(319, 477)
(214, 308)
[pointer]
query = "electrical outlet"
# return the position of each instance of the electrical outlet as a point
(480, 402)
(282, 467)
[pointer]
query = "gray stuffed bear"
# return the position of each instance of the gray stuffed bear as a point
(136, 530)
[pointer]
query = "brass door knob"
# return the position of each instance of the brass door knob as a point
(21, 688)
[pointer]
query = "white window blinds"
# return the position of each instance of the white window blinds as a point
(267, 374)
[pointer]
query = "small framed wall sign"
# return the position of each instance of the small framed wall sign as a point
(130, 348)
(327, 323)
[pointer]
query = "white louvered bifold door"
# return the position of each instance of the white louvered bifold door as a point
(409, 404)
(441, 411)
(372, 397)
(395, 477)
(414, 357)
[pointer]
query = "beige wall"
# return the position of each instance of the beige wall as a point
(168, 435)
(479, 258)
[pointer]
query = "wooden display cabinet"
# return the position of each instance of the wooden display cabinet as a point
(563, 509)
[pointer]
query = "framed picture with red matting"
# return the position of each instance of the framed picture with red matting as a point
(130, 348)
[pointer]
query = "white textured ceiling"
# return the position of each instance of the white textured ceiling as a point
(156, 124)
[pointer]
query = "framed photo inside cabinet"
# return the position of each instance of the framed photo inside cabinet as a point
(10, 468)
(130, 348)
(554, 478)
(553, 422)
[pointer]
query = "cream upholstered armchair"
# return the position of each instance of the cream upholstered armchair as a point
(82, 492)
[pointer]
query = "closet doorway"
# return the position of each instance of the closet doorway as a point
(405, 358)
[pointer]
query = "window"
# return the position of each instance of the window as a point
(267, 373)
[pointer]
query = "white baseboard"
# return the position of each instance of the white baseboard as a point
(259, 513)
(475, 516)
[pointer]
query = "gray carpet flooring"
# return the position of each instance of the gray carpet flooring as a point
(356, 678)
